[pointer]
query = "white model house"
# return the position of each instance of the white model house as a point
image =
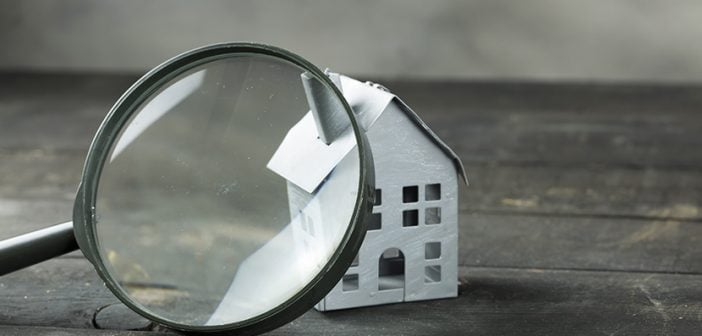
(410, 250)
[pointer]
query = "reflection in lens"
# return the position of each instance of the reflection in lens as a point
(228, 191)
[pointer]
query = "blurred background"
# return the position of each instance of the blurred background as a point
(595, 40)
(579, 123)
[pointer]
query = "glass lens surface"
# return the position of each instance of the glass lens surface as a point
(229, 189)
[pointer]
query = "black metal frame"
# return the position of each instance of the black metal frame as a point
(84, 209)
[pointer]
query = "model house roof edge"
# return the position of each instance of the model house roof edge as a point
(434, 137)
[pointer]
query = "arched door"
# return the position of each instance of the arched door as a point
(391, 270)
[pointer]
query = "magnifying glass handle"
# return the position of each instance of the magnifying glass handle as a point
(34, 247)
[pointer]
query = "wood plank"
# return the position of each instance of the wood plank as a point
(52, 331)
(38, 190)
(37, 184)
(566, 179)
(64, 293)
(531, 123)
(571, 125)
(57, 293)
(592, 243)
(649, 193)
(531, 302)
(19, 216)
(557, 174)
(55, 111)
(502, 240)
(652, 193)
(40, 174)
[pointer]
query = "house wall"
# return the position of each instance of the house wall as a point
(405, 156)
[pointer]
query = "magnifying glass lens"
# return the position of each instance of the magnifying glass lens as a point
(227, 191)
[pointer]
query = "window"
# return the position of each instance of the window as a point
(432, 192)
(410, 194)
(432, 274)
(349, 283)
(410, 218)
(374, 222)
(432, 250)
(432, 216)
(378, 195)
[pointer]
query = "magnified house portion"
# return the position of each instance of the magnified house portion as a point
(410, 250)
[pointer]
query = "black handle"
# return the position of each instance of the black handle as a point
(34, 247)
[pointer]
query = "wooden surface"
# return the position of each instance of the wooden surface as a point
(583, 216)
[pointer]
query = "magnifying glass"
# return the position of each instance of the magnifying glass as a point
(226, 190)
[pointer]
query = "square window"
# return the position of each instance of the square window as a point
(378, 194)
(410, 194)
(432, 274)
(374, 222)
(410, 218)
(349, 283)
(432, 192)
(432, 216)
(432, 250)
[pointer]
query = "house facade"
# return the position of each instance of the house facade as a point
(410, 250)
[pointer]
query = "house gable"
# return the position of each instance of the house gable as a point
(421, 224)
(303, 159)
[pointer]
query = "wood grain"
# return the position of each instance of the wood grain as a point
(65, 293)
(583, 215)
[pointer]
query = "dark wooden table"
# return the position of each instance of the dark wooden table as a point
(584, 216)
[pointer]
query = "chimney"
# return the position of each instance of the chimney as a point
(329, 114)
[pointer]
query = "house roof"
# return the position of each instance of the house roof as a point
(305, 160)
(369, 101)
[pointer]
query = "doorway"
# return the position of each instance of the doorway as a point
(391, 270)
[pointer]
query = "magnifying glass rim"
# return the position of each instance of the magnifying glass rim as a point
(119, 116)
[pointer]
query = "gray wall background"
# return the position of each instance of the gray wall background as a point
(629, 40)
